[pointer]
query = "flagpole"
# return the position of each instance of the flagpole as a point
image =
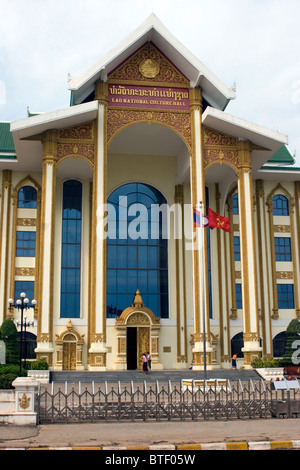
(202, 287)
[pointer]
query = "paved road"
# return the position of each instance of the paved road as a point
(144, 434)
(138, 435)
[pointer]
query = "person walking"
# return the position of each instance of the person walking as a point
(145, 364)
(149, 360)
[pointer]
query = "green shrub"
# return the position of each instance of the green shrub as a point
(8, 373)
(38, 365)
(264, 364)
(6, 381)
(9, 334)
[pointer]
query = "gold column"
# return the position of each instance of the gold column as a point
(264, 282)
(5, 242)
(180, 281)
(97, 320)
(252, 347)
(197, 182)
(46, 258)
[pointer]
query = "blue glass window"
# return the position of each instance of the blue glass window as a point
(24, 286)
(71, 250)
(238, 293)
(235, 204)
(237, 248)
(27, 197)
(25, 244)
(283, 251)
(280, 205)
(137, 257)
(285, 296)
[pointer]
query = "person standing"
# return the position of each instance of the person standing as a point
(149, 360)
(233, 361)
(145, 364)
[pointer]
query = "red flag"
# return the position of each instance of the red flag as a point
(218, 221)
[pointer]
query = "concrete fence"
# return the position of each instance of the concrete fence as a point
(18, 406)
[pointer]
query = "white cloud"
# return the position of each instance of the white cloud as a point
(252, 42)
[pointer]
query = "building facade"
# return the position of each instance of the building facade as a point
(97, 218)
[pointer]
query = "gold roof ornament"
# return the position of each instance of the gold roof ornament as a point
(138, 301)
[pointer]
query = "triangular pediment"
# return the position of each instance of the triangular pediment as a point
(149, 66)
(152, 31)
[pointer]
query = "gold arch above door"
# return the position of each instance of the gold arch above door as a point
(143, 319)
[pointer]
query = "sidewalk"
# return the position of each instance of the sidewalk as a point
(220, 435)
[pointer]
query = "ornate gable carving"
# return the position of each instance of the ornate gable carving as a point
(149, 66)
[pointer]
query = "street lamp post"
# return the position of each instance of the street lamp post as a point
(22, 304)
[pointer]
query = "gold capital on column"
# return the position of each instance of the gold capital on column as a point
(49, 141)
(101, 92)
(244, 155)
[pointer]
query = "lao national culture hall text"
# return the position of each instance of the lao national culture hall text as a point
(97, 219)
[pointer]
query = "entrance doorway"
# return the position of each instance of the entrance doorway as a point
(69, 353)
(138, 342)
(131, 348)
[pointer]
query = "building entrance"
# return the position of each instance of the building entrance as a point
(138, 342)
(131, 348)
(69, 353)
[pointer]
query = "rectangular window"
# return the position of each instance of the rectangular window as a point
(27, 287)
(283, 251)
(285, 296)
(25, 244)
(238, 294)
(71, 250)
(237, 248)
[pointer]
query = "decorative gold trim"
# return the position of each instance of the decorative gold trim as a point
(284, 275)
(29, 222)
(145, 65)
(25, 271)
(24, 401)
(4, 257)
(120, 118)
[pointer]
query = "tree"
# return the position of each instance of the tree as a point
(9, 334)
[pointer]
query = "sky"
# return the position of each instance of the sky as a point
(253, 43)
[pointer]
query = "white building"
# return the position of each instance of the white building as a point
(147, 126)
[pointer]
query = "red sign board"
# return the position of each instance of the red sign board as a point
(131, 96)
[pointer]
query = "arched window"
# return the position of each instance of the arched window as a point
(280, 205)
(71, 249)
(279, 343)
(27, 197)
(137, 250)
(28, 345)
(237, 343)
